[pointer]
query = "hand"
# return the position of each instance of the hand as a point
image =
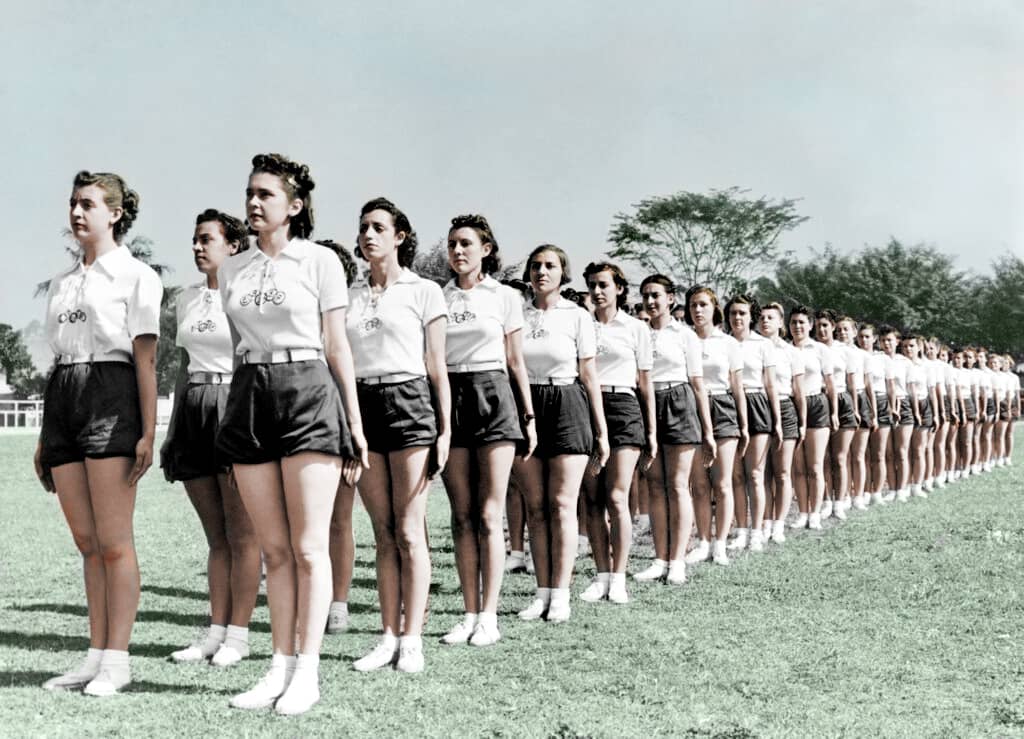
(834, 422)
(779, 437)
(441, 448)
(530, 431)
(856, 420)
(710, 449)
(143, 460)
(600, 455)
(649, 453)
(43, 473)
(801, 434)
(741, 448)
(352, 467)
(873, 426)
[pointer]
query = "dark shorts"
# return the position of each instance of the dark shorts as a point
(947, 404)
(90, 410)
(817, 412)
(624, 419)
(906, 413)
(397, 415)
(846, 418)
(924, 406)
(864, 409)
(990, 409)
(972, 411)
(724, 423)
(882, 404)
(759, 413)
(192, 450)
(277, 410)
(563, 420)
(1004, 410)
(790, 422)
(483, 409)
(676, 411)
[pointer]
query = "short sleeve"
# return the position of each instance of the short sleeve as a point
(432, 301)
(827, 365)
(735, 356)
(796, 360)
(644, 352)
(332, 287)
(512, 309)
(768, 353)
(890, 368)
(179, 309)
(694, 355)
(144, 304)
(586, 335)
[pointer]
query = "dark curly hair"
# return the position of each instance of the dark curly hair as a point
(233, 229)
(297, 183)
(118, 195)
(659, 279)
(618, 277)
(745, 299)
(563, 258)
(407, 249)
(716, 317)
(347, 262)
(490, 264)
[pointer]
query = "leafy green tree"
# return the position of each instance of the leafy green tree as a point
(999, 306)
(17, 362)
(721, 238)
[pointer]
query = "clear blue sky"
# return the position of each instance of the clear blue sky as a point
(901, 118)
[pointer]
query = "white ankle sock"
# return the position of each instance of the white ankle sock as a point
(416, 642)
(544, 594)
(114, 658)
(617, 578)
(237, 635)
(559, 596)
(487, 619)
(307, 663)
(93, 658)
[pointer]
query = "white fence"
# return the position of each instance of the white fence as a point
(28, 414)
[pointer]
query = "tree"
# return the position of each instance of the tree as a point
(719, 238)
(16, 362)
(999, 306)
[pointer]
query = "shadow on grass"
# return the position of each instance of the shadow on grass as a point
(63, 642)
(181, 619)
(24, 678)
(261, 599)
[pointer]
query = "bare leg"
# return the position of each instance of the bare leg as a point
(565, 474)
(494, 462)
(409, 503)
(782, 464)
(458, 482)
(815, 446)
(343, 545)
(531, 480)
(204, 492)
(721, 479)
(754, 459)
(375, 493)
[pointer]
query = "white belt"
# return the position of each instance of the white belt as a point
(552, 380)
(719, 392)
(209, 378)
(281, 356)
(618, 389)
(495, 364)
(668, 384)
(114, 356)
(393, 379)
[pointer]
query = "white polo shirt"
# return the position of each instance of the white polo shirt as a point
(789, 364)
(900, 369)
(949, 373)
(276, 304)
(478, 321)
(937, 375)
(856, 364)
(102, 307)
(720, 356)
(965, 381)
(203, 329)
(387, 329)
(676, 351)
(555, 340)
(623, 347)
(838, 354)
(758, 353)
(879, 366)
(985, 381)
(921, 378)
(817, 363)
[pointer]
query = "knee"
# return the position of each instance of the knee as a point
(242, 544)
(306, 560)
(462, 523)
(115, 552)
(86, 544)
(277, 556)
(409, 537)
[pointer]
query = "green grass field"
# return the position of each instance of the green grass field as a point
(904, 621)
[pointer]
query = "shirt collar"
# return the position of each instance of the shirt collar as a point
(296, 249)
(115, 262)
(487, 283)
(407, 276)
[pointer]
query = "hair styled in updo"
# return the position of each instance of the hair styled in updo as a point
(407, 249)
(117, 195)
(490, 264)
(297, 183)
(235, 232)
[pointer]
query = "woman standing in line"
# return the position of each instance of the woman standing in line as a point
(988, 393)
(936, 452)
(879, 367)
(763, 421)
(189, 453)
(898, 461)
(967, 390)
(484, 347)
(1013, 383)
(722, 361)
(951, 407)
(624, 362)
(99, 417)
(844, 410)
(789, 371)
(397, 328)
(683, 421)
(920, 397)
(863, 396)
(809, 460)
(559, 349)
(291, 427)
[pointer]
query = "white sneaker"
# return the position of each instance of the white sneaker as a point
(800, 522)
(617, 590)
(839, 511)
(888, 496)
(537, 608)
(941, 482)
(655, 571)
(676, 572)
(484, 635)
(202, 648)
(229, 654)
(410, 655)
(382, 655)
(779, 532)
(878, 499)
(739, 542)
(303, 693)
(337, 618)
(597, 590)
(76, 678)
(814, 521)
(108, 681)
(460, 633)
(756, 541)
(718, 553)
(928, 485)
(515, 562)
(558, 611)
(826, 509)
(699, 553)
(861, 502)
(767, 526)
(902, 495)
(270, 687)
(918, 492)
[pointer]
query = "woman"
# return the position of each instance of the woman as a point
(763, 421)
(682, 420)
(988, 395)
(397, 329)
(559, 349)
(951, 408)
(291, 427)
(624, 363)
(843, 370)
(189, 453)
(484, 346)
(919, 396)
(879, 367)
(99, 417)
(967, 392)
(980, 401)
(898, 461)
(789, 371)
(819, 421)
(863, 396)
(1013, 406)
(722, 363)
(936, 451)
